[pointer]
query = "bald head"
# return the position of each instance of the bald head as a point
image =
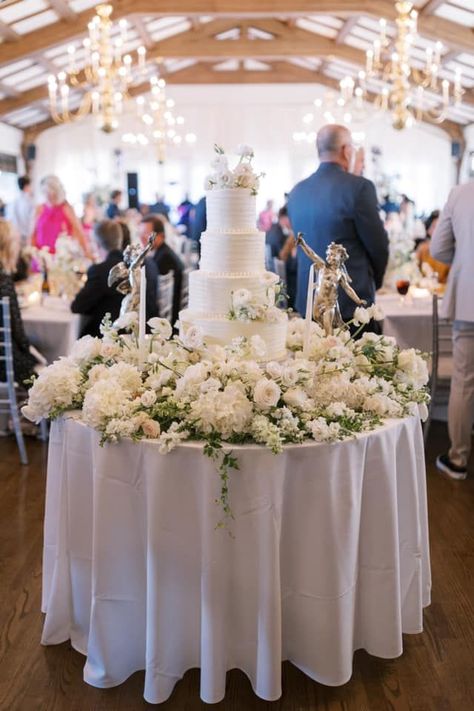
(334, 144)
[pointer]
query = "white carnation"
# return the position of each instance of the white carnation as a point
(266, 394)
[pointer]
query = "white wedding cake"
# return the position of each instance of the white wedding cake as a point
(232, 295)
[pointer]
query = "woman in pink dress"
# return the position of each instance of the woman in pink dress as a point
(56, 217)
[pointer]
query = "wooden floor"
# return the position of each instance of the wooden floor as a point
(435, 673)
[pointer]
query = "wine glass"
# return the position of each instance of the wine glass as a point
(402, 287)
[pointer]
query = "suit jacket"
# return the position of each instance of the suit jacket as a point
(334, 206)
(96, 298)
(453, 243)
(168, 261)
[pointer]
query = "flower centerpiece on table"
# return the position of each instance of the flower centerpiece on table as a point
(186, 390)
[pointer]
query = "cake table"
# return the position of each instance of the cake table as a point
(327, 553)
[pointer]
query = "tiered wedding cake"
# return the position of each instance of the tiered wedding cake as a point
(232, 295)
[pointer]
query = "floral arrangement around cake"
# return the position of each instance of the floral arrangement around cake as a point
(241, 176)
(222, 396)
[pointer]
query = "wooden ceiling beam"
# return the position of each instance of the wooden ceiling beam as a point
(431, 6)
(281, 72)
(63, 10)
(8, 33)
(450, 33)
(346, 29)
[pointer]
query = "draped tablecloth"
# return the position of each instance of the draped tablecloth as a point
(52, 328)
(327, 553)
(409, 323)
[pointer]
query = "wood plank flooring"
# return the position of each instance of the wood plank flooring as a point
(435, 673)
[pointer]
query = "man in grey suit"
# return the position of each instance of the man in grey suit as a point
(333, 205)
(453, 243)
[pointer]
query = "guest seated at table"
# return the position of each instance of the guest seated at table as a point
(23, 361)
(96, 298)
(282, 245)
(423, 251)
(165, 259)
(55, 217)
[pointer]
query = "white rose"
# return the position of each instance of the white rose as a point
(289, 376)
(193, 338)
(266, 394)
(225, 179)
(160, 327)
(273, 369)
(241, 297)
(148, 398)
(295, 397)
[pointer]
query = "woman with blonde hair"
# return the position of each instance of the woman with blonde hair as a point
(56, 216)
(23, 361)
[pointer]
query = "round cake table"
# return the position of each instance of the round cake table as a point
(327, 553)
(410, 323)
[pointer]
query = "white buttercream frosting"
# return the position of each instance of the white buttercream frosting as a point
(232, 260)
(231, 210)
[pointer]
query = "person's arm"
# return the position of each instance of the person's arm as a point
(77, 230)
(371, 231)
(288, 247)
(35, 222)
(443, 241)
(91, 294)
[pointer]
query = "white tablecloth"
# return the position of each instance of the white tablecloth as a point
(328, 554)
(410, 323)
(51, 328)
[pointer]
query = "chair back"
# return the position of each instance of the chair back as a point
(165, 295)
(185, 287)
(6, 349)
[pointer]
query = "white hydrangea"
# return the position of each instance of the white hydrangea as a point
(57, 387)
(85, 349)
(411, 369)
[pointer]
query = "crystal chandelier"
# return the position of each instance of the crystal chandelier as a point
(161, 127)
(410, 94)
(107, 73)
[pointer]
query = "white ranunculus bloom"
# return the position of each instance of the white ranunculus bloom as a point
(160, 327)
(266, 394)
(241, 297)
(273, 369)
(258, 347)
(245, 150)
(193, 337)
(361, 316)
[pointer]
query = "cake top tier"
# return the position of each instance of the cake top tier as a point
(241, 177)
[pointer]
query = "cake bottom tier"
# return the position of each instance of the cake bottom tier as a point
(222, 331)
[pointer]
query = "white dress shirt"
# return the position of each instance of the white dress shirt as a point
(20, 213)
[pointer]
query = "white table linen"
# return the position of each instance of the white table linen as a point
(409, 323)
(51, 328)
(328, 554)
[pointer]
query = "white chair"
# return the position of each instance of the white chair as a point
(185, 287)
(9, 404)
(441, 363)
(279, 267)
(165, 295)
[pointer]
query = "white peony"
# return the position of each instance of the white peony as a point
(160, 327)
(266, 394)
(86, 348)
(57, 387)
(103, 401)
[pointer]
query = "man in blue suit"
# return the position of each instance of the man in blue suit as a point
(332, 205)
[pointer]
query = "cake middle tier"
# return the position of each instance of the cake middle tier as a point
(233, 253)
(211, 293)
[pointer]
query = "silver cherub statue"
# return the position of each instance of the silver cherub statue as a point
(332, 274)
(126, 275)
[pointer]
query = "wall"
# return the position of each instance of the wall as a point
(264, 116)
(10, 143)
